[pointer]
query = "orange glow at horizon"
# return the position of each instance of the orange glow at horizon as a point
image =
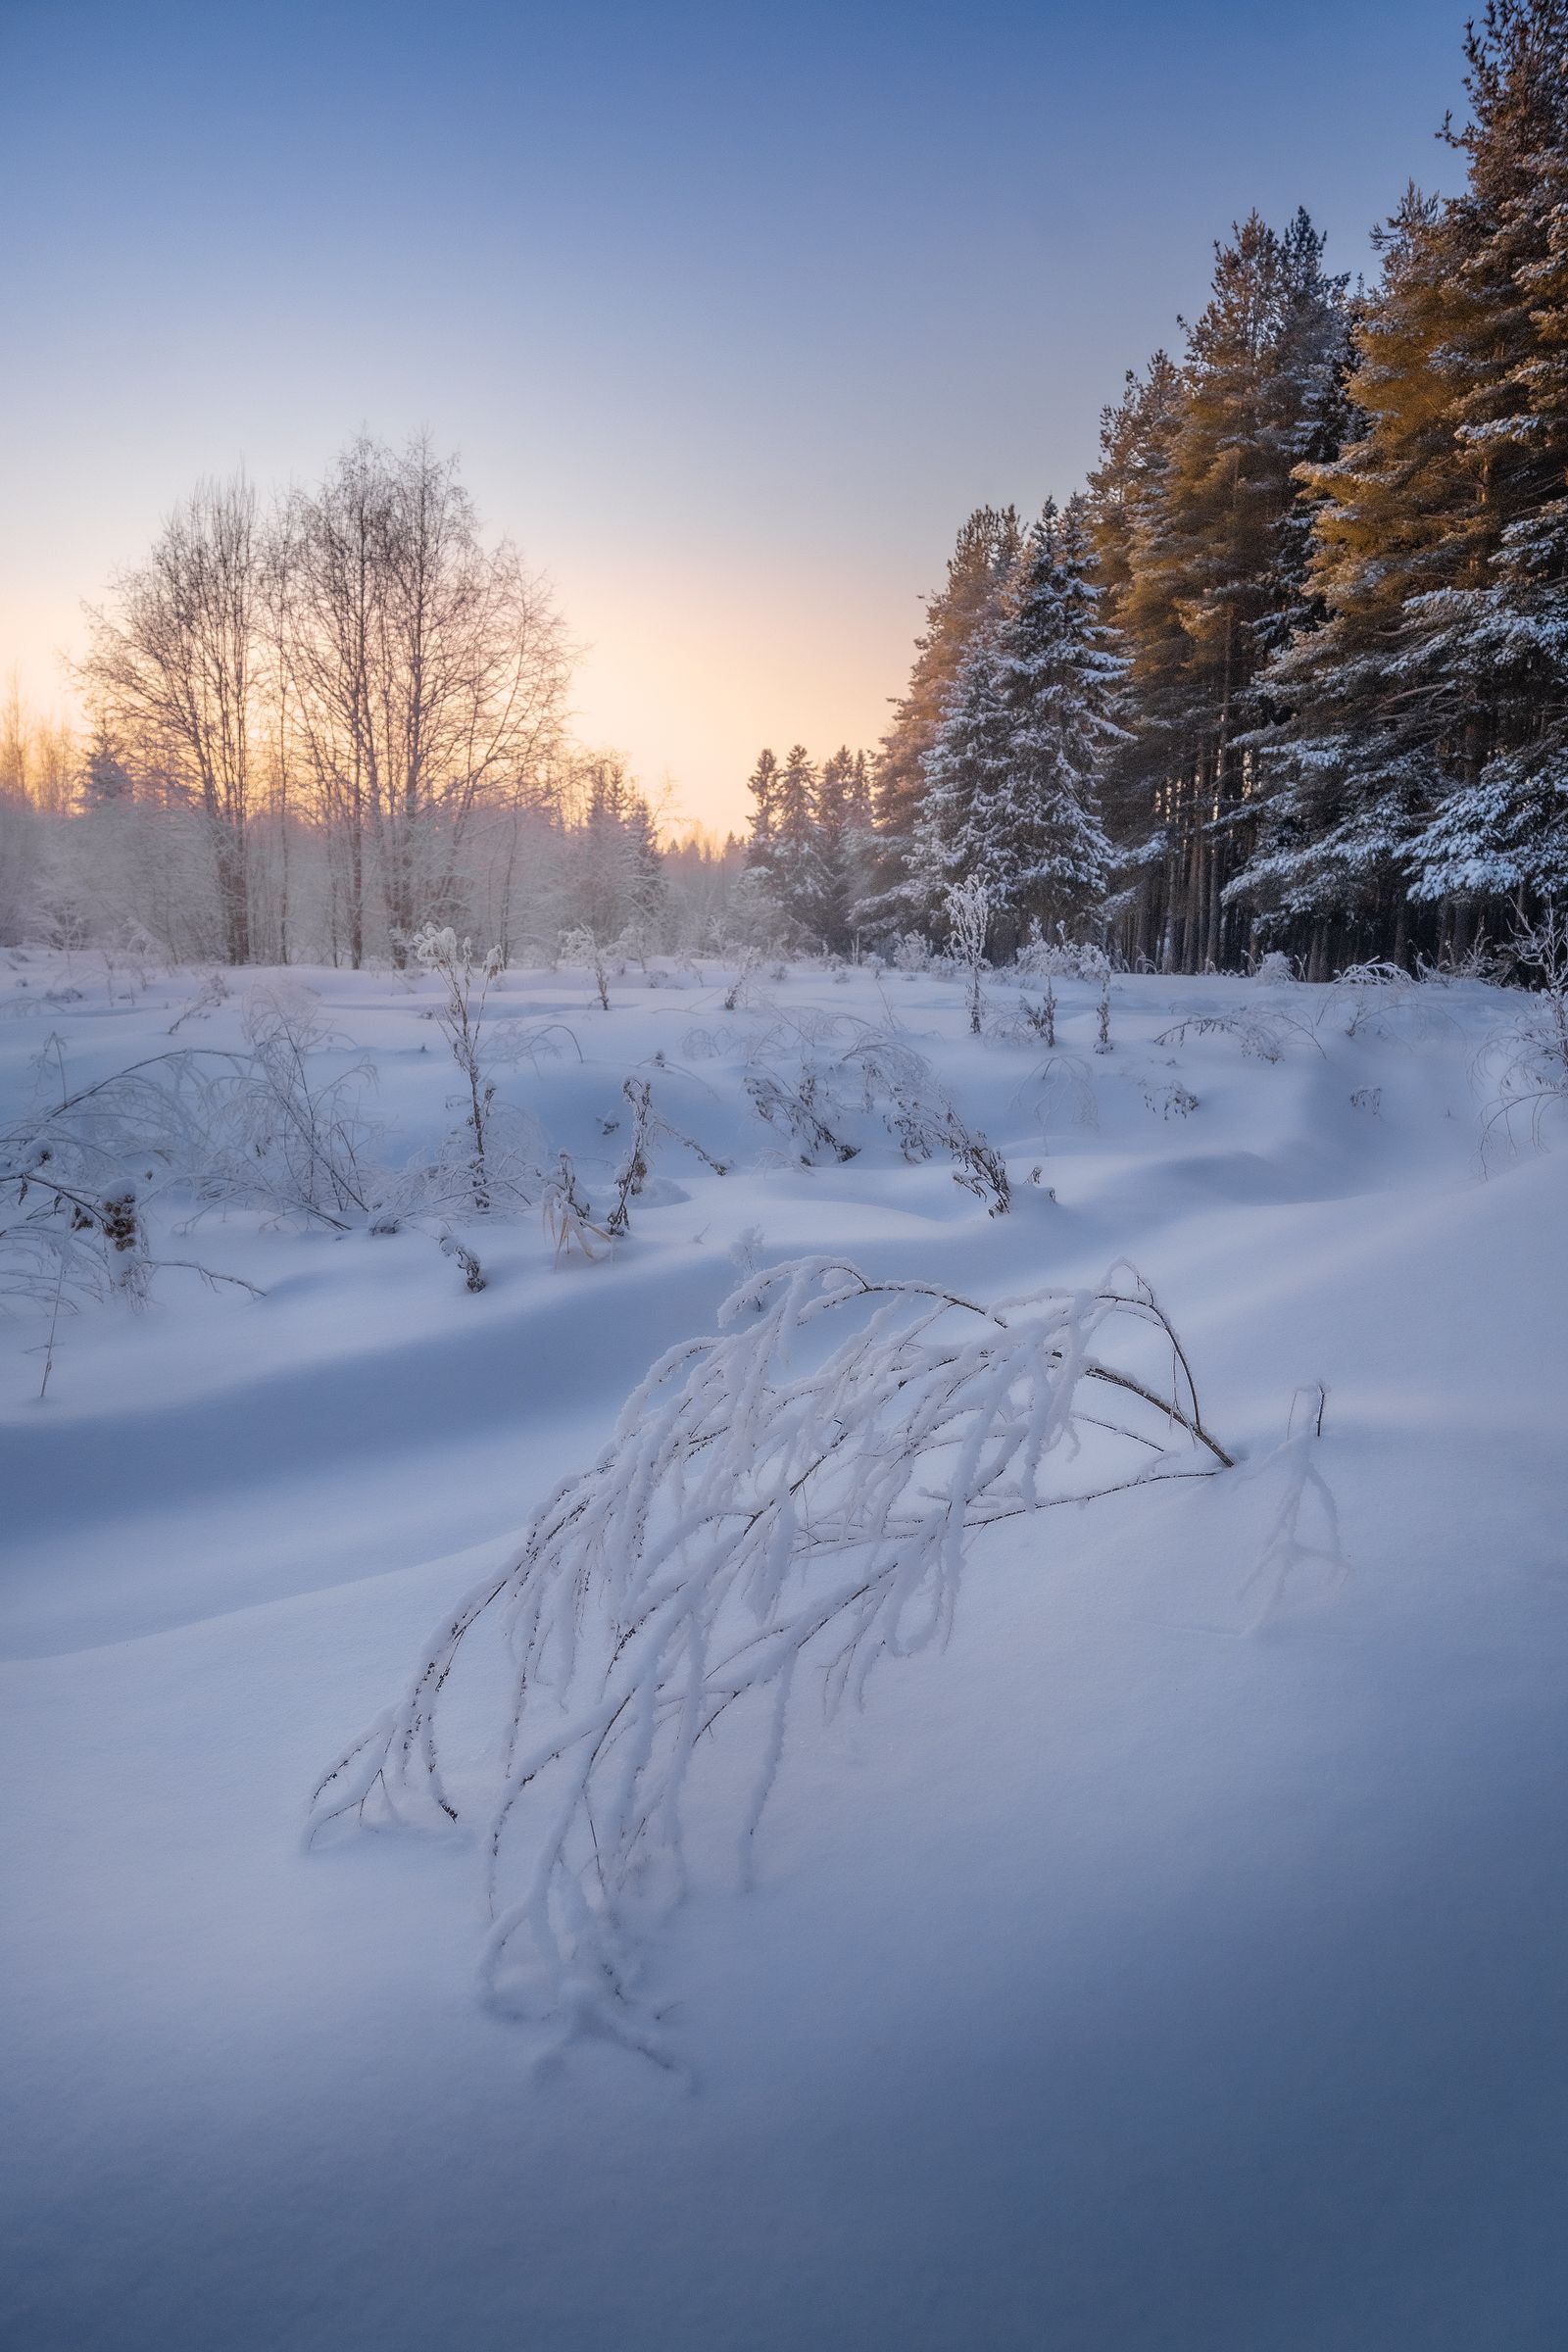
(686, 680)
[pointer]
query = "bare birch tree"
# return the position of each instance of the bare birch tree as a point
(173, 661)
(429, 671)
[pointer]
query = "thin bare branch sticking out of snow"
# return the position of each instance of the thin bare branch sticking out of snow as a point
(748, 1528)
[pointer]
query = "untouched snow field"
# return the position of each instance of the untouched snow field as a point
(1173, 1960)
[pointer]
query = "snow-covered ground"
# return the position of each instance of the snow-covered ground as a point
(1175, 1959)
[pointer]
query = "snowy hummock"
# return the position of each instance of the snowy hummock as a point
(1171, 1958)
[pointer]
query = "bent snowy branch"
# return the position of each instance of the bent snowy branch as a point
(750, 1524)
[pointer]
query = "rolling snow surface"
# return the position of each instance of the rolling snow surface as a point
(1172, 1961)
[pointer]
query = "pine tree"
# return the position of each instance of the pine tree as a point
(1195, 516)
(1423, 755)
(1495, 643)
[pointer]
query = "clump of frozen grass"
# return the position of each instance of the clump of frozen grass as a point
(759, 1536)
(1275, 970)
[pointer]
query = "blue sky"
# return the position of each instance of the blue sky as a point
(731, 312)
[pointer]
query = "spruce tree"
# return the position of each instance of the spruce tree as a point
(840, 845)
(762, 785)
(1059, 675)
(1012, 774)
(965, 771)
(794, 867)
(978, 569)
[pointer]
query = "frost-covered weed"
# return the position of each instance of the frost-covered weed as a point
(569, 1213)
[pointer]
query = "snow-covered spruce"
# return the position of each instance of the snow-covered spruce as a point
(749, 1526)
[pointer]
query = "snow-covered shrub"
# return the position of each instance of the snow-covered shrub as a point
(1060, 958)
(80, 1174)
(1481, 960)
(1364, 985)
(1275, 970)
(1040, 1018)
(738, 990)
(1062, 1086)
(1383, 1000)
(792, 1110)
(581, 947)
(1261, 1040)
(281, 1137)
(1526, 1063)
(912, 954)
(1174, 1102)
(646, 1125)
(497, 1160)
(466, 979)
(967, 907)
(746, 1523)
(902, 1086)
(212, 993)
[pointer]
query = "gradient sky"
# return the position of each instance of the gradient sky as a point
(732, 313)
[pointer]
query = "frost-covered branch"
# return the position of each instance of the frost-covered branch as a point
(752, 1528)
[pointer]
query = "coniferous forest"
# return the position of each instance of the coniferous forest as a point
(1290, 671)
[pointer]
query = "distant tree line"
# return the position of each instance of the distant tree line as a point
(321, 721)
(1292, 669)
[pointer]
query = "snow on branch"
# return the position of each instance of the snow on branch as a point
(752, 1528)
